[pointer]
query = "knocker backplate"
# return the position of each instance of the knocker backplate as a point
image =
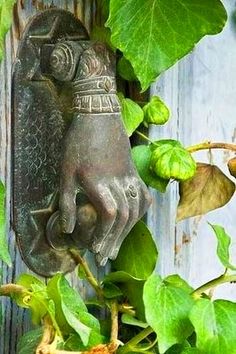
(40, 115)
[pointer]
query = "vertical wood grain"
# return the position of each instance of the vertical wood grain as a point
(201, 93)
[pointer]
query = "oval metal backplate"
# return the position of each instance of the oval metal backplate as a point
(40, 118)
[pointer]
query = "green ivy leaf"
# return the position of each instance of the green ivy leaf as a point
(35, 298)
(82, 330)
(167, 308)
(141, 251)
(132, 321)
(132, 114)
(119, 277)
(111, 291)
(27, 280)
(141, 156)
(171, 160)
(74, 342)
(190, 351)
(133, 290)
(215, 326)
(223, 246)
(4, 254)
(125, 70)
(154, 34)
(209, 189)
(184, 348)
(68, 303)
(6, 7)
(178, 282)
(71, 311)
(156, 112)
(28, 342)
(131, 287)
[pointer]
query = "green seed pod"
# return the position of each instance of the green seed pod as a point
(156, 112)
(171, 160)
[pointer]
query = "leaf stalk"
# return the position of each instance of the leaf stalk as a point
(114, 322)
(222, 279)
(208, 145)
(130, 345)
(8, 289)
(89, 275)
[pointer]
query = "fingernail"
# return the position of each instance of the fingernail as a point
(101, 260)
(114, 253)
(67, 226)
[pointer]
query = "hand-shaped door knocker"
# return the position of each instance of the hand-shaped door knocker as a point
(75, 184)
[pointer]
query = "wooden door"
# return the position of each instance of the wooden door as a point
(201, 93)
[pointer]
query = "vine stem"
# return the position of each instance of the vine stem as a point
(48, 340)
(114, 322)
(136, 340)
(145, 137)
(224, 278)
(201, 146)
(113, 306)
(64, 352)
(101, 348)
(8, 289)
(208, 145)
(89, 275)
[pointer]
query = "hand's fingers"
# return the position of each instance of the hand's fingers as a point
(106, 208)
(109, 241)
(133, 195)
(67, 202)
(138, 199)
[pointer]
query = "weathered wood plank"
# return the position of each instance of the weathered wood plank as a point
(201, 92)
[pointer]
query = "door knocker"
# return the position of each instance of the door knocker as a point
(74, 182)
